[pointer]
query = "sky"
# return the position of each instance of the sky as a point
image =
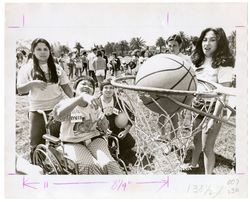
(99, 23)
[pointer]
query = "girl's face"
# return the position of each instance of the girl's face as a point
(209, 44)
(84, 86)
(174, 47)
(42, 52)
(108, 91)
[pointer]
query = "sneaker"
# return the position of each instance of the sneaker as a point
(189, 169)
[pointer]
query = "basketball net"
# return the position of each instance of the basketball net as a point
(162, 146)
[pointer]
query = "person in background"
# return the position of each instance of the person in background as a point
(71, 65)
(85, 63)
(61, 60)
(91, 57)
(193, 44)
(126, 70)
(78, 65)
(116, 64)
(134, 63)
(99, 67)
(19, 60)
(147, 54)
(132, 66)
(141, 58)
(29, 58)
(107, 61)
(45, 82)
(174, 43)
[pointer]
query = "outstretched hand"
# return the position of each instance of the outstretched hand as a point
(91, 100)
(122, 134)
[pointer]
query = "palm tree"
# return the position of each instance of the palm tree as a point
(160, 42)
(137, 43)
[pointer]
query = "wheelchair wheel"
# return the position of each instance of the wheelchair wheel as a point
(44, 158)
(122, 165)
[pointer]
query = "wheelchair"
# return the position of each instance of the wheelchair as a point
(54, 161)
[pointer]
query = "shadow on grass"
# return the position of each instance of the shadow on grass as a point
(220, 162)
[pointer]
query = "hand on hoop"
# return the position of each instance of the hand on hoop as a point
(122, 134)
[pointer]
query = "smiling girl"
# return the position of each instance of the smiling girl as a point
(214, 62)
(80, 117)
(45, 82)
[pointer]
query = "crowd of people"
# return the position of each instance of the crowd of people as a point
(96, 64)
(48, 80)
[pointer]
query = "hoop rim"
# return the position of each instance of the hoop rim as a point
(115, 82)
(217, 91)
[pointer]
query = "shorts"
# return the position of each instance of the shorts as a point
(85, 66)
(100, 72)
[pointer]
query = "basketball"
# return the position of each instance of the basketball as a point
(166, 71)
(121, 120)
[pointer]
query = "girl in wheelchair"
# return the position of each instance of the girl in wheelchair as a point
(80, 117)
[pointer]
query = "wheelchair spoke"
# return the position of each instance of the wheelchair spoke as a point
(44, 158)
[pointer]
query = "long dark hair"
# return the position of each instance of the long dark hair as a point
(37, 72)
(222, 55)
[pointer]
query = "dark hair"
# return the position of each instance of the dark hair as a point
(86, 78)
(23, 52)
(99, 53)
(194, 40)
(19, 55)
(105, 83)
(222, 55)
(143, 53)
(103, 51)
(175, 37)
(30, 56)
(37, 72)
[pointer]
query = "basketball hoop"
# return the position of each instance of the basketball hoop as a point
(164, 153)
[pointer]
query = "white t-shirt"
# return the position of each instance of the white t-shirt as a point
(217, 75)
(99, 63)
(80, 125)
(43, 99)
(91, 58)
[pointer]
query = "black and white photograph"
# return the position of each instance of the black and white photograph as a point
(127, 99)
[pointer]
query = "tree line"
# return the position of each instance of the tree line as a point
(124, 47)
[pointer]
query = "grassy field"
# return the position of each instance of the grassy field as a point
(224, 147)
